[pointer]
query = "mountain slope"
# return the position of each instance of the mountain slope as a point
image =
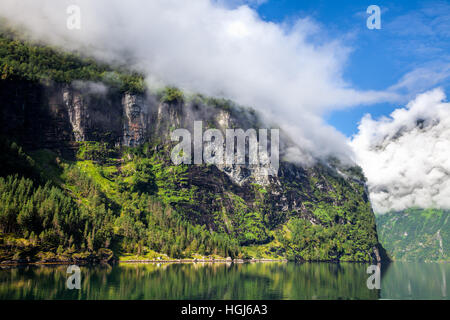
(416, 234)
(86, 175)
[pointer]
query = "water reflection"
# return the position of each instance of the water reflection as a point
(407, 280)
(227, 281)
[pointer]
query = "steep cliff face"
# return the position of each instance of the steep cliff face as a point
(57, 116)
(97, 173)
(33, 115)
(241, 200)
(135, 122)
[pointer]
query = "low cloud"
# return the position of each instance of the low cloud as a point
(286, 71)
(406, 157)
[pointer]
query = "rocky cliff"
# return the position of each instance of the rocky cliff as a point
(120, 142)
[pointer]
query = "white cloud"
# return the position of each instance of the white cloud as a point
(423, 78)
(406, 158)
(237, 3)
(205, 47)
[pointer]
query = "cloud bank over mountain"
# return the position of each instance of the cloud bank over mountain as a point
(406, 157)
(288, 72)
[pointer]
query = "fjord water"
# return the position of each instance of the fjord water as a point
(274, 280)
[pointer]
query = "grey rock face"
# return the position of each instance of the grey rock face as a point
(135, 120)
(93, 116)
(78, 114)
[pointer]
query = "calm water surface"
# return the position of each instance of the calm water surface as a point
(228, 281)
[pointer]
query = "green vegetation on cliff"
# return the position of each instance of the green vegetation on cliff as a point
(416, 234)
(82, 208)
(138, 203)
(342, 226)
(20, 60)
(116, 201)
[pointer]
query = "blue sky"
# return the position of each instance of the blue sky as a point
(413, 45)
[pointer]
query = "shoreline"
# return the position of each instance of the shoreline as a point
(204, 261)
(84, 263)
